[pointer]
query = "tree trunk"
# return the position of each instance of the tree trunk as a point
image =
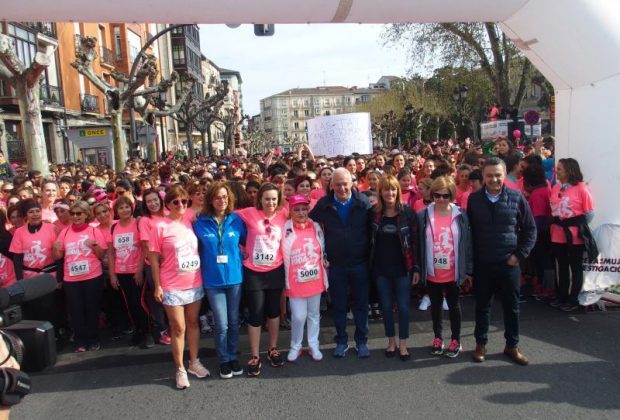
(474, 128)
(203, 143)
(32, 124)
(190, 140)
(210, 142)
(120, 144)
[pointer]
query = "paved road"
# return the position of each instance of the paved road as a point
(574, 374)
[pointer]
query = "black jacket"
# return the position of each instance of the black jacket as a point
(345, 244)
(500, 229)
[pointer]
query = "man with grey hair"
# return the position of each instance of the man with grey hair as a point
(345, 216)
(503, 234)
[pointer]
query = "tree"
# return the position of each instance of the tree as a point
(230, 125)
(119, 98)
(192, 110)
(472, 45)
(26, 81)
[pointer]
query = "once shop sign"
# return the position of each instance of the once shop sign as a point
(93, 132)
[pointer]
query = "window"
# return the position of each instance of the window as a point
(338, 101)
(295, 113)
(326, 102)
(306, 112)
(306, 102)
(295, 103)
(118, 45)
(135, 44)
(25, 44)
(178, 55)
(317, 111)
(296, 125)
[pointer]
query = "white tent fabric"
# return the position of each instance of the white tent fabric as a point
(575, 44)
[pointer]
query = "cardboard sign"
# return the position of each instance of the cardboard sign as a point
(340, 135)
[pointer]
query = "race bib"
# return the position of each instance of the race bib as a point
(79, 268)
(307, 274)
(123, 240)
(264, 251)
(264, 258)
(189, 263)
(441, 261)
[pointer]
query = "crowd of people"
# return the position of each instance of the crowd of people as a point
(268, 240)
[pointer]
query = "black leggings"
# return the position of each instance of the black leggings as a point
(569, 283)
(133, 298)
(436, 291)
(84, 302)
(261, 304)
(156, 309)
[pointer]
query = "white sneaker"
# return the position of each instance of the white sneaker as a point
(444, 305)
(315, 353)
(205, 328)
(182, 381)
(198, 370)
(350, 316)
(425, 303)
(293, 355)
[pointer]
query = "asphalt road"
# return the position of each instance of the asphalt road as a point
(574, 373)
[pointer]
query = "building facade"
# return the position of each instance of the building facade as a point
(233, 105)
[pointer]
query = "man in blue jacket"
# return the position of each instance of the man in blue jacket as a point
(346, 218)
(503, 234)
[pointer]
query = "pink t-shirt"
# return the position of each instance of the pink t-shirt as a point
(514, 185)
(263, 241)
(317, 194)
(539, 202)
(36, 247)
(145, 225)
(7, 271)
(443, 250)
(60, 226)
(49, 215)
(306, 276)
(575, 201)
(419, 205)
(462, 196)
(81, 261)
(179, 265)
(127, 247)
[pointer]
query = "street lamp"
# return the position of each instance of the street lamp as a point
(160, 103)
(460, 95)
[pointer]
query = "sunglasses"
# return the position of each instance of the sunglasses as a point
(444, 196)
(267, 226)
(179, 202)
(8, 190)
(76, 213)
(321, 163)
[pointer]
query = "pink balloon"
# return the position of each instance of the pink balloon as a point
(516, 134)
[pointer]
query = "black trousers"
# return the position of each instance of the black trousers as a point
(500, 279)
(84, 304)
(133, 297)
(570, 271)
(436, 291)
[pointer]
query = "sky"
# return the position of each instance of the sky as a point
(302, 56)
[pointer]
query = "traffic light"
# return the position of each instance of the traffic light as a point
(264, 30)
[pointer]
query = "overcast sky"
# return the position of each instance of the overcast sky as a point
(301, 56)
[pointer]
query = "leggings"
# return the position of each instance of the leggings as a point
(132, 297)
(570, 271)
(436, 291)
(261, 304)
(156, 309)
(84, 302)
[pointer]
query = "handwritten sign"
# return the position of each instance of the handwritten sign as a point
(340, 135)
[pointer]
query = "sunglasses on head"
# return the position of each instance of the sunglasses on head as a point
(444, 196)
(178, 202)
(267, 226)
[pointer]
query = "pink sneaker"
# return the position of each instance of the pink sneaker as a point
(164, 338)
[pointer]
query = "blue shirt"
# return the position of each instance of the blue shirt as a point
(343, 209)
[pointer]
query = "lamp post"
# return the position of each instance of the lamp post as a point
(460, 95)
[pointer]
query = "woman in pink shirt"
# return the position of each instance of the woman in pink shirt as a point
(175, 265)
(48, 196)
(125, 262)
(463, 187)
(263, 272)
(82, 246)
(303, 250)
(572, 209)
(153, 212)
(325, 177)
(63, 218)
(7, 270)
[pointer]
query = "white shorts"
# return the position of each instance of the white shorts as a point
(183, 297)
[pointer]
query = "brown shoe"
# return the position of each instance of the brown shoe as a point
(516, 355)
(480, 353)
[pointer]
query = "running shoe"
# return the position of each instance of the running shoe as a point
(437, 349)
(164, 338)
(425, 303)
(315, 353)
(274, 357)
(225, 371)
(254, 365)
(198, 370)
(205, 328)
(293, 355)
(362, 350)
(341, 350)
(182, 380)
(454, 349)
(235, 367)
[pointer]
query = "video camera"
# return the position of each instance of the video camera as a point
(15, 384)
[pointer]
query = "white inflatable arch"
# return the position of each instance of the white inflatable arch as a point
(574, 43)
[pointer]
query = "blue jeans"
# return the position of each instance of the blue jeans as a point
(357, 278)
(388, 288)
(224, 302)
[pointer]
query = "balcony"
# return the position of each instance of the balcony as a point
(107, 56)
(89, 103)
(46, 28)
(51, 95)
